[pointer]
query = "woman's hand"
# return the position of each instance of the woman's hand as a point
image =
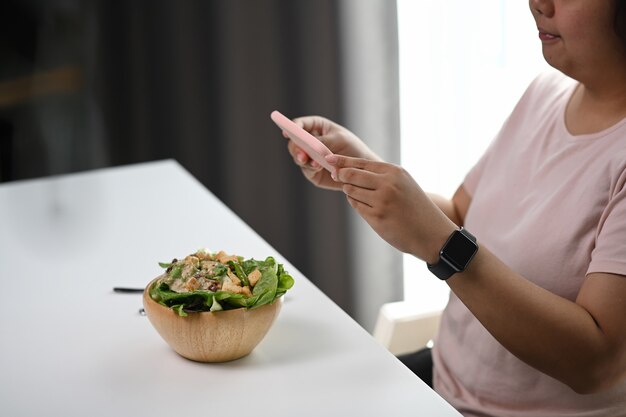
(337, 138)
(394, 205)
(582, 343)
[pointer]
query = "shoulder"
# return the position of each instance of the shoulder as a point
(552, 79)
(543, 103)
(549, 86)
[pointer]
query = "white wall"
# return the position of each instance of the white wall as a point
(463, 66)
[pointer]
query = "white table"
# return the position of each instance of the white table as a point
(69, 346)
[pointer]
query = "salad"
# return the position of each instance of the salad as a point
(205, 281)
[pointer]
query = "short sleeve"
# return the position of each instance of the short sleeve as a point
(472, 178)
(609, 254)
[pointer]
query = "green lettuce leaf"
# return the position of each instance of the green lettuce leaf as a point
(274, 283)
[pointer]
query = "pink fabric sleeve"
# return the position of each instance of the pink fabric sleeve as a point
(471, 180)
(609, 254)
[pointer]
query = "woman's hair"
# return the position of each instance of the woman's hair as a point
(620, 20)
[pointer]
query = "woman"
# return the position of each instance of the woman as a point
(536, 322)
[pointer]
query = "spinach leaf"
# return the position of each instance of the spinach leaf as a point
(220, 270)
(274, 282)
(179, 309)
(192, 301)
(285, 282)
(266, 287)
(216, 306)
(176, 271)
(249, 265)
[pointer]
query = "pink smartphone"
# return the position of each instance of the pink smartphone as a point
(309, 143)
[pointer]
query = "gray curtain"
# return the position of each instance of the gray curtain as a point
(197, 80)
(370, 92)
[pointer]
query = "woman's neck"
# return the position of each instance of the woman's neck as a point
(597, 103)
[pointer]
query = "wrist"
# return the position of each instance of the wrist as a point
(455, 254)
(436, 242)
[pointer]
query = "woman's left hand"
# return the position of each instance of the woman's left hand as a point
(394, 205)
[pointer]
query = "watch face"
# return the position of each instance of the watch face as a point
(458, 251)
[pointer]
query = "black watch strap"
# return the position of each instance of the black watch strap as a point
(442, 270)
(445, 267)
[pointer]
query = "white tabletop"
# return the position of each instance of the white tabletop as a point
(69, 346)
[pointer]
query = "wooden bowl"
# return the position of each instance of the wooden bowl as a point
(218, 336)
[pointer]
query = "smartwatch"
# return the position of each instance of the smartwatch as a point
(455, 255)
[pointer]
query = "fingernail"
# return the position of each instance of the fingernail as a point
(301, 157)
(333, 174)
(331, 159)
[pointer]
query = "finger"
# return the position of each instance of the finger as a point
(362, 195)
(300, 157)
(359, 206)
(341, 161)
(358, 177)
(309, 171)
(315, 125)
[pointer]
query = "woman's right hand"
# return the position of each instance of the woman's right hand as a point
(337, 138)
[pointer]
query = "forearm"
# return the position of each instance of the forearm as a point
(447, 206)
(557, 336)
(548, 332)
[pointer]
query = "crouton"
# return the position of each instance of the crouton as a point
(254, 277)
(227, 285)
(246, 291)
(207, 265)
(204, 254)
(192, 284)
(193, 260)
(223, 257)
(190, 266)
(234, 278)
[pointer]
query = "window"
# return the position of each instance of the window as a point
(463, 66)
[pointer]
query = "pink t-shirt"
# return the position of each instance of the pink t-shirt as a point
(551, 206)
